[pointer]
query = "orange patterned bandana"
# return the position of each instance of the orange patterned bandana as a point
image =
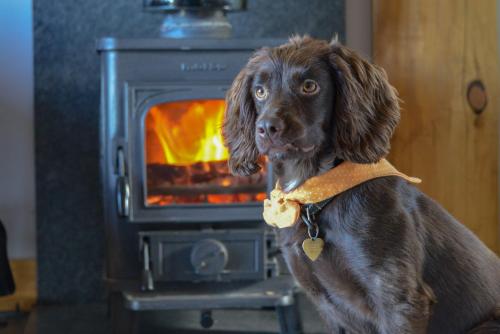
(283, 209)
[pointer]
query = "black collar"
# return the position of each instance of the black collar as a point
(310, 212)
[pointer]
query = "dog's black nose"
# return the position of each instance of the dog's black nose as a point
(271, 127)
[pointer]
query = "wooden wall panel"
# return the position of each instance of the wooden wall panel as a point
(431, 50)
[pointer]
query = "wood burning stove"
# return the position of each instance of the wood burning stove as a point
(175, 216)
(181, 231)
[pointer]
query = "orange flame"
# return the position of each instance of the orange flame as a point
(187, 131)
(186, 159)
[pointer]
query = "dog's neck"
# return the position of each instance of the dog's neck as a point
(292, 173)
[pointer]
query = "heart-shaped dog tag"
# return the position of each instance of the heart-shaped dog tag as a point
(313, 247)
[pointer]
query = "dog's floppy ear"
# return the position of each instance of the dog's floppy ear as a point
(366, 109)
(239, 126)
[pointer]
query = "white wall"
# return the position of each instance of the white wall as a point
(17, 194)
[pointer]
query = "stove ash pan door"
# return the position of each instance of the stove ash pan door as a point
(227, 255)
(179, 163)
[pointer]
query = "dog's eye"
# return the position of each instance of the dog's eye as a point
(310, 87)
(261, 93)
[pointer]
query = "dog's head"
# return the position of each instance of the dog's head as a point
(306, 98)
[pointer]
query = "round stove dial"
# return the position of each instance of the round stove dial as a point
(209, 257)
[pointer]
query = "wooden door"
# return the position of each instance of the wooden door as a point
(431, 51)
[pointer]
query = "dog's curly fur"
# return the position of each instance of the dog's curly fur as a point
(394, 260)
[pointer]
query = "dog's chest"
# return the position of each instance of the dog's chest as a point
(332, 258)
(330, 280)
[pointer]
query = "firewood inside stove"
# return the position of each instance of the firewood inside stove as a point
(198, 180)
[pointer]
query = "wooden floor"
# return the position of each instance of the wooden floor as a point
(24, 298)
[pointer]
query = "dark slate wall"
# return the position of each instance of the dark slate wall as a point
(69, 210)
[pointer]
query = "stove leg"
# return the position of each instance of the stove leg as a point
(123, 321)
(289, 318)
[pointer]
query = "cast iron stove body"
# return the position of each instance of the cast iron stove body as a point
(181, 231)
(173, 211)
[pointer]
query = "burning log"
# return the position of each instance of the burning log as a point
(201, 182)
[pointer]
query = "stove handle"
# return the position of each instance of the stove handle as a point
(122, 186)
(122, 196)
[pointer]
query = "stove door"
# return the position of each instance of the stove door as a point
(179, 167)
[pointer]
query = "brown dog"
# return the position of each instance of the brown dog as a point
(394, 260)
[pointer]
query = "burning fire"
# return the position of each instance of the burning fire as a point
(186, 158)
(189, 132)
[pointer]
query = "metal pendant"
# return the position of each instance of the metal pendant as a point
(313, 247)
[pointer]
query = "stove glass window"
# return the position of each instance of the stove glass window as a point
(186, 161)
